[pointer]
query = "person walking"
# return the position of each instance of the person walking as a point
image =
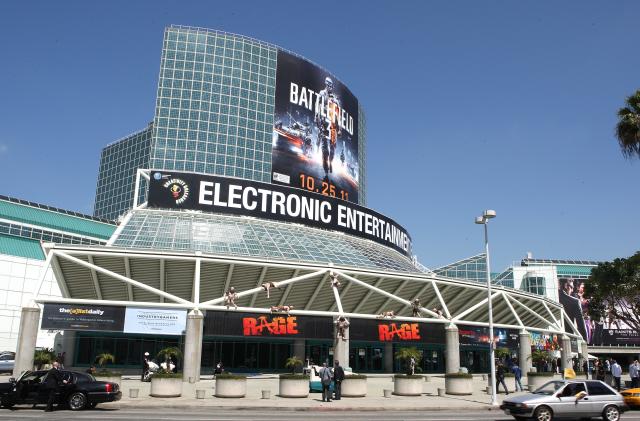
(338, 377)
(585, 368)
(325, 378)
(616, 372)
(554, 365)
(52, 384)
(517, 373)
(500, 378)
(634, 373)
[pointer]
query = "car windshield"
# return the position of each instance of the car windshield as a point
(549, 388)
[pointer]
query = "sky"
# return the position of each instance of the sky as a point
(470, 105)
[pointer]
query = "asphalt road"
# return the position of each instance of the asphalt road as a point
(26, 413)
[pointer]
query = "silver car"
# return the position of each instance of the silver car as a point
(572, 399)
(7, 361)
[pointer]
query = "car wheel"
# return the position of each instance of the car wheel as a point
(611, 413)
(6, 404)
(543, 413)
(77, 401)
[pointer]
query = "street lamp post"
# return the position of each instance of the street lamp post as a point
(484, 220)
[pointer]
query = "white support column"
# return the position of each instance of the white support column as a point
(452, 359)
(193, 347)
(336, 294)
(43, 275)
(442, 303)
(94, 278)
(524, 352)
(515, 314)
(565, 353)
(27, 336)
(340, 345)
(196, 281)
(475, 306)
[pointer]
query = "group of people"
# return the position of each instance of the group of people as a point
(609, 366)
(327, 375)
(502, 369)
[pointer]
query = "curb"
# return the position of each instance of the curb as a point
(280, 408)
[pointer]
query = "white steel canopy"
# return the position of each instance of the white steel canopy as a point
(193, 280)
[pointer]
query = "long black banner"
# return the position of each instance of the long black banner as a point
(83, 317)
(178, 190)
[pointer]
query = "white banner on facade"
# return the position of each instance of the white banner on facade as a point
(155, 321)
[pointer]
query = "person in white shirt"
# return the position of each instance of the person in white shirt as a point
(616, 372)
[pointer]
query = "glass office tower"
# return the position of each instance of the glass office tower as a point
(214, 114)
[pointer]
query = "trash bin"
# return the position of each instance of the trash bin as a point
(387, 393)
(266, 394)
(199, 393)
(441, 391)
(133, 393)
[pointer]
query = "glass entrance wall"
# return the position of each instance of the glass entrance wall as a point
(319, 352)
(432, 358)
(475, 359)
(366, 357)
(127, 349)
(245, 355)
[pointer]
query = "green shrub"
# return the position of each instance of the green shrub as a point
(458, 376)
(355, 376)
(161, 374)
(229, 376)
(106, 373)
(540, 374)
(408, 376)
(290, 376)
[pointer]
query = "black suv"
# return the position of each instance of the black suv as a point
(81, 391)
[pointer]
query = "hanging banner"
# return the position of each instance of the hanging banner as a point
(82, 317)
(385, 330)
(477, 335)
(278, 325)
(155, 321)
(234, 196)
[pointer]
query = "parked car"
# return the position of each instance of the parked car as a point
(81, 391)
(7, 361)
(570, 399)
(631, 397)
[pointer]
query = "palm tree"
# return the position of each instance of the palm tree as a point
(105, 358)
(293, 363)
(167, 354)
(628, 127)
(405, 354)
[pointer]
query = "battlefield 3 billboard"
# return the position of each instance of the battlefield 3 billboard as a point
(315, 133)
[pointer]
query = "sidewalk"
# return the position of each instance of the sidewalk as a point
(374, 401)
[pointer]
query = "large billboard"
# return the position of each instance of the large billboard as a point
(315, 133)
(603, 332)
(235, 196)
(83, 317)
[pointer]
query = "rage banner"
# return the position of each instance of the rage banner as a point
(267, 325)
(395, 331)
(315, 133)
(235, 196)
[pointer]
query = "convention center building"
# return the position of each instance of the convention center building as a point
(243, 236)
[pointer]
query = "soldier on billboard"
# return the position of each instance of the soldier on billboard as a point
(328, 127)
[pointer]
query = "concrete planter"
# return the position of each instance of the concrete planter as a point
(163, 387)
(110, 379)
(294, 388)
(233, 387)
(535, 381)
(354, 388)
(458, 385)
(408, 386)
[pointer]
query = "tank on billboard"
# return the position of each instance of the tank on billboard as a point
(315, 133)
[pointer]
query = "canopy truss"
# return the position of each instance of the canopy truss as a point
(107, 275)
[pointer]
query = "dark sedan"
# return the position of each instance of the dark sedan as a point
(81, 391)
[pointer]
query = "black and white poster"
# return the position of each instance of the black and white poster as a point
(82, 317)
(315, 133)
